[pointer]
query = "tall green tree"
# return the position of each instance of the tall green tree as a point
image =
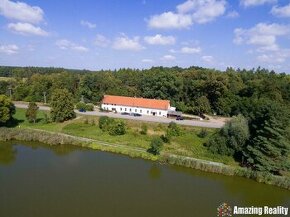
(62, 106)
(270, 146)
(31, 112)
(7, 109)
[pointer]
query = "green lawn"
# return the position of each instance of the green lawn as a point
(188, 144)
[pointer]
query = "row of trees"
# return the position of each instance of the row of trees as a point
(193, 90)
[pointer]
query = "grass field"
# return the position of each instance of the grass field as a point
(188, 144)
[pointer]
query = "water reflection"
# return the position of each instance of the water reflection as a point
(155, 171)
(7, 153)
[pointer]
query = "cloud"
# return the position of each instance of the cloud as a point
(125, 43)
(101, 41)
(281, 11)
(187, 13)
(233, 14)
(159, 40)
(190, 50)
(21, 11)
(170, 20)
(208, 59)
(9, 49)
(263, 35)
(248, 3)
(88, 24)
(147, 61)
(205, 11)
(68, 45)
(168, 58)
(26, 29)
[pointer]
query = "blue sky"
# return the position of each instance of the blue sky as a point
(110, 34)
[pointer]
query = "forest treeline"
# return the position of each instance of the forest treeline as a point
(193, 90)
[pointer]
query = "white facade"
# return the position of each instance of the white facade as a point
(139, 110)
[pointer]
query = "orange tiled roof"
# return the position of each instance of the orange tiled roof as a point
(137, 102)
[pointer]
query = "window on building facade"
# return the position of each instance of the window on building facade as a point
(135, 110)
(130, 110)
(140, 110)
(147, 111)
(121, 109)
(159, 113)
(125, 109)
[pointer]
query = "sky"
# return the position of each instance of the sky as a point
(112, 34)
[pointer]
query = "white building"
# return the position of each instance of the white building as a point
(143, 106)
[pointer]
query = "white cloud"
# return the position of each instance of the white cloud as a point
(125, 43)
(281, 11)
(168, 58)
(26, 29)
(9, 49)
(101, 41)
(262, 35)
(208, 59)
(207, 10)
(159, 40)
(68, 45)
(248, 3)
(274, 57)
(88, 24)
(21, 11)
(189, 12)
(147, 61)
(190, 50)
(170, 20)
(233, 14)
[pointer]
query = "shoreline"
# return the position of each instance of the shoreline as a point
(53, 138)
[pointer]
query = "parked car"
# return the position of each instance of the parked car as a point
(135, 114)
(125, 113)
(82, 110)
(179, 118)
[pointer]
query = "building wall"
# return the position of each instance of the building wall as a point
(139, 110)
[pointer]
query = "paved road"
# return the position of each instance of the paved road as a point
(205, 123)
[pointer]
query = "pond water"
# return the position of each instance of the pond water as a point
(38, 180)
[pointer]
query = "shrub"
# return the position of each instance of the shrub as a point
(117, 128)
(144, 129)
(93, 123)
(46, 119)
(173, 129)
(104, 123)
(86, 121)
(155, 146)
(202, 133)
(89, 107)
(81, 106)
(165, 138)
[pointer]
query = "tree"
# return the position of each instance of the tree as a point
(7, 109)
(31, 112)
(155, 146)
(231, 139)
(62, 106)
(270, 146)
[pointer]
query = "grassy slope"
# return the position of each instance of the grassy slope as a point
(189, 144)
